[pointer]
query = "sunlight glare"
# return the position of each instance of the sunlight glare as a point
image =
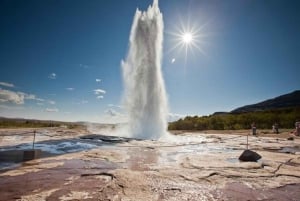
(187, 38)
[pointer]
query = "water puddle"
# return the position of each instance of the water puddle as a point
(290, 150)
(142, 154)
(287, 150)
(13, 156)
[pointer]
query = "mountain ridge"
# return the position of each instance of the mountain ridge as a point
(283, 101)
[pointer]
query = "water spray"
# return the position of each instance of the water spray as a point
(145, 95)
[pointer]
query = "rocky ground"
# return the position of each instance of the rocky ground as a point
(78, 165)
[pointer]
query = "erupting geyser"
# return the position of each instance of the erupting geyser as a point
(145, 95)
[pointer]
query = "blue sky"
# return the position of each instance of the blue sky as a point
(55, 54)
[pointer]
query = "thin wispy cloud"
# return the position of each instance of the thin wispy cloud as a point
(51, 102)
(51, 110)
(113, 116)
(173, 60)
(52, 76)
(32, 97)
(29, 96)
(112, 112)
(98, 80)
(84, 66)
(84, 102)
(39, 99)
(116, 106)
(6, 84)
(70, 89)
(100, 97)
(99, 91)
(11, 107)
(174, 117)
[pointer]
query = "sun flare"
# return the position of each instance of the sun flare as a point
(187, 38)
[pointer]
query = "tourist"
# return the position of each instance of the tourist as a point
(297, 128)
(275, 128)
(253, 126)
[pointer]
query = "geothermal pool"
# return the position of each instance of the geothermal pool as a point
(195, 166)
(51, 146)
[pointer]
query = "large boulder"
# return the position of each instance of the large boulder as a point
(249, 155)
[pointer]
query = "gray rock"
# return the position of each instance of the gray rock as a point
(249, 155)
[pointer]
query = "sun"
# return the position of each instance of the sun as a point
(187, 38)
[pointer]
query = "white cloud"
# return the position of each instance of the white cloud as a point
(52, 76)
(116, 106)
(5, 84)
(174, 117)
(11, 96)
(29, 96)
(51, 102)
(113, 116)
(100, 97)
(16, 97)
(173, 60)
(70, 89)
(98, 80)
(32, 97)
(112, 112)
(51, 110)
(99, 91)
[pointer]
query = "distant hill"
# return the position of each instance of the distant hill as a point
(284, 110)
(34, 123)
(283, 101)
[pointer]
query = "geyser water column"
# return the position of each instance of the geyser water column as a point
(145, 95)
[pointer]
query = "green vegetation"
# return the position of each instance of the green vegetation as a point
(28, 123)
(264, 120)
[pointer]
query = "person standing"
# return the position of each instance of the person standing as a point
(297, 128)
(253, 126)
(275, 128)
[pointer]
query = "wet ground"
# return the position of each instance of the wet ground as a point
(73, 165)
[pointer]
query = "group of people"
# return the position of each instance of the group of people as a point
(275, 128)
